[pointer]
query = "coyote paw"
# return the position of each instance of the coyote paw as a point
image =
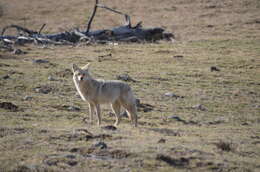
(115, 124)
(85, 120)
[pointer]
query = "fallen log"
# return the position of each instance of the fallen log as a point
(125, 33)
(119, 34)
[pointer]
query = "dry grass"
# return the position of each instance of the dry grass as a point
(213, 111)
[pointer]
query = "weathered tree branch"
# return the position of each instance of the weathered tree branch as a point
(41, 28)
(92, 17)
(127, 17)
(19, 28)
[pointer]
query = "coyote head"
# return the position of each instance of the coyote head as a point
(81, 74)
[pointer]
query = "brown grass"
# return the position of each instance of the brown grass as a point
(213, 111)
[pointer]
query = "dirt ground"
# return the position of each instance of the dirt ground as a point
(199, 96)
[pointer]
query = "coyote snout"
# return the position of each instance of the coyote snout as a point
(97, 92)
(81, 77)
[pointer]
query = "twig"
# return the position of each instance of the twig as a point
(41, 28)
(19, 28)
(92, 16)
(127, 17)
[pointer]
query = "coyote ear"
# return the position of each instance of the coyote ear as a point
(74, 67)
(86, 66)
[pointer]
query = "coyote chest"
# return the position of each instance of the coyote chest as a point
(79, 88)
(87, 89)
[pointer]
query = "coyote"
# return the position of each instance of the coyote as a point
(96, 92)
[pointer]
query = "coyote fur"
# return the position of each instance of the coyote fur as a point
(97, 92)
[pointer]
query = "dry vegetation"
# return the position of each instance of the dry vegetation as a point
(208, 121)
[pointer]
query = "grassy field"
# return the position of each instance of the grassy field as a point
(203, 91)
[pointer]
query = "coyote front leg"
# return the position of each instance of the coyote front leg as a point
(98, 112)
(91, 112)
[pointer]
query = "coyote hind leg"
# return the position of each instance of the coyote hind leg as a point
(132, 112)
(116, 107)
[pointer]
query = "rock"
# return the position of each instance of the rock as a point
(73, 150)
(145, 107)
(199, 107)
(73, 108)
(56, 159)
(161, 140)
(176, 118)
(100, 145)
(27, 98)
(125, 77)
(178, 56)
(219, 120)
(18, 51)
(40, 61)
(109, 127)
(51, 162)
(43, 131)
(43, 89)
(64, 73)
(29, 168)
(70, 156)
(6, 77)
(9, 106)
(170, 94)
(210, 25)
(11, 72)
(4, 65)
(245, 123)
(50, 78)
(122, 114)
(166, 131)
(225, 146)
(214, 68)
(178, 162)
(67, 108)
(72, 163)
(119, 154)
(103, 57)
